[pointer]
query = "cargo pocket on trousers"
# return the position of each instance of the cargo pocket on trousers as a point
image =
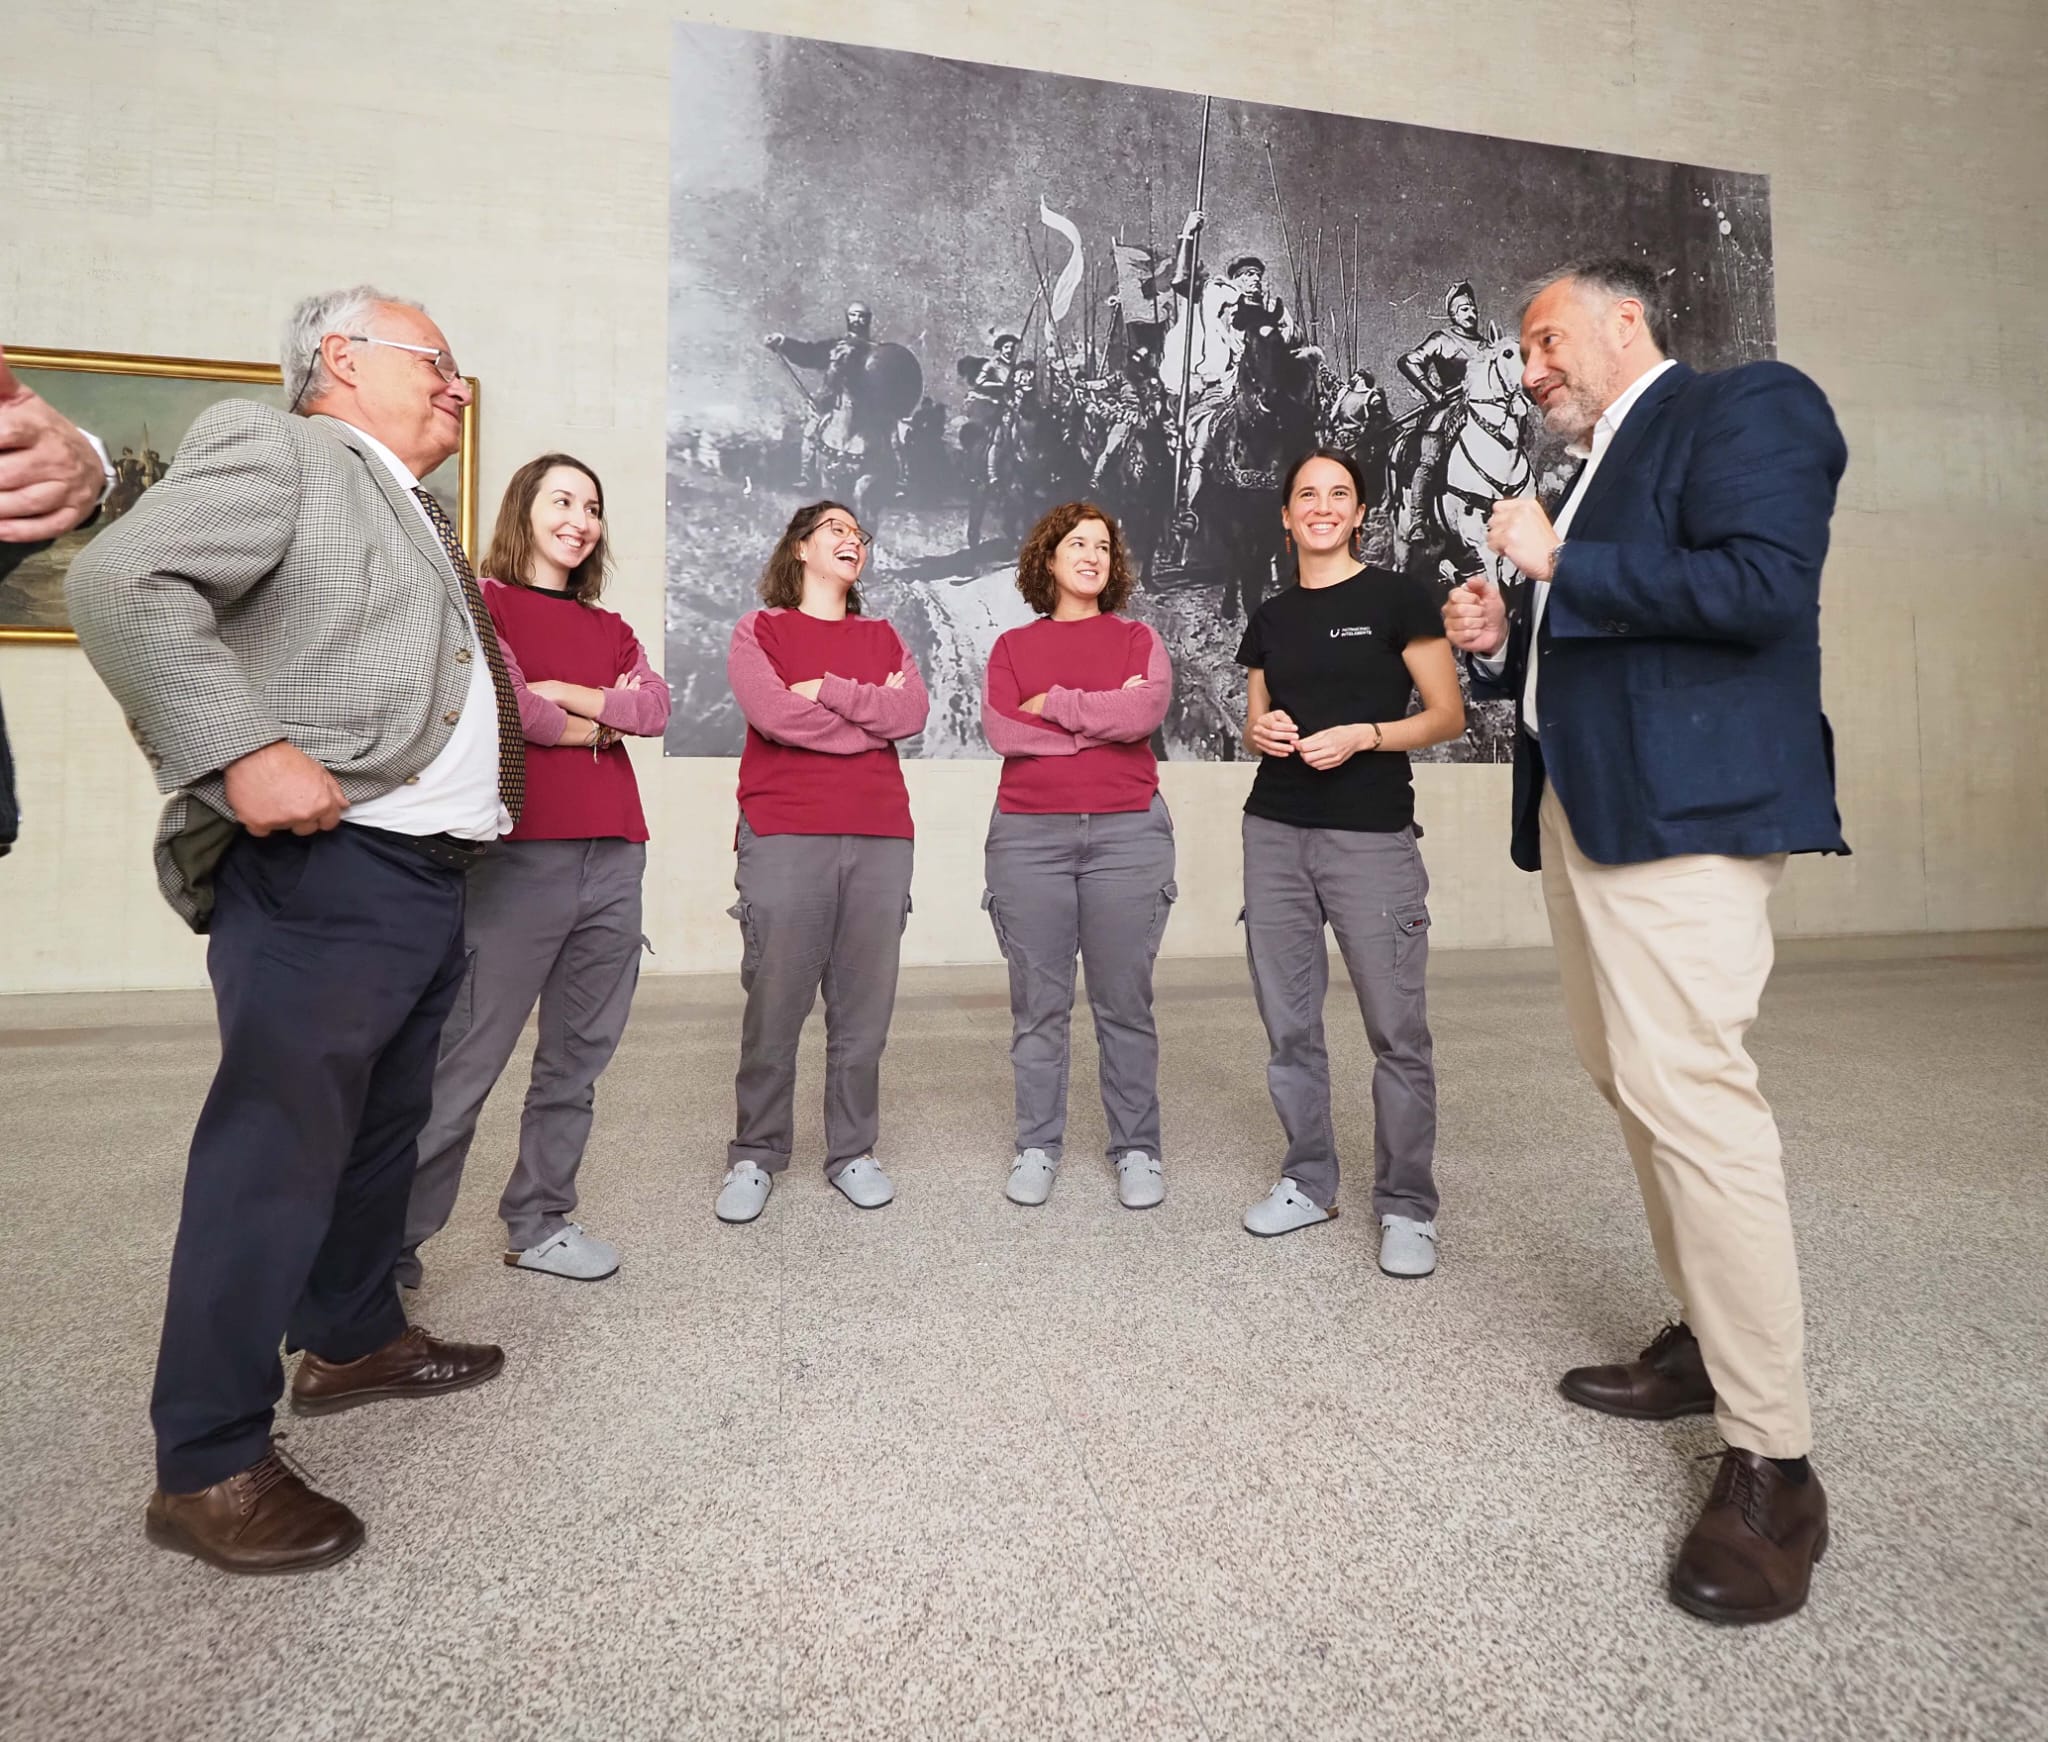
(750, 941)
(995, 920)
(1169, 893)
(1411, 947)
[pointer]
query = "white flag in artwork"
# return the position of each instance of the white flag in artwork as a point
(1070, 275)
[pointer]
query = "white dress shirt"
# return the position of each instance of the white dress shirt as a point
(457, 792)
(1604, 431)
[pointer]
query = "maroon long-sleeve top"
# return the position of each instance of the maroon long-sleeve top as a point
(571, 795)
(824, 767)
(1089, 750)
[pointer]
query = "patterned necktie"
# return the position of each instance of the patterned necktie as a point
(511, 740)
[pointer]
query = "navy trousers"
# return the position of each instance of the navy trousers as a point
(335, 959)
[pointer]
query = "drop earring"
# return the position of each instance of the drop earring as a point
(1288, 535)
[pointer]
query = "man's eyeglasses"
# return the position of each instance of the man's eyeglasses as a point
(838, 529)
(444, 365)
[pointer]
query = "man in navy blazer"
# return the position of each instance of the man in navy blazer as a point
(1672, 752)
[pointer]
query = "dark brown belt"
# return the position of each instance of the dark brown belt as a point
(450, 852)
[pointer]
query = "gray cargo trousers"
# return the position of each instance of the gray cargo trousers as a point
(557, 922)
(1373, 893)
(816, 911)
(1098, 887)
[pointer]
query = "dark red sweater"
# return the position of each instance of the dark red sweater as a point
(570, 796)
(1089, 750)
(824, 767)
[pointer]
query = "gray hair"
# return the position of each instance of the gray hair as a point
(1615, 278)
(306, 375)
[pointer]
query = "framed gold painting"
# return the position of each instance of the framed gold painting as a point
(140, 408)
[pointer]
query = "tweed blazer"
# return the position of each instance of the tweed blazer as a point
(278, 583)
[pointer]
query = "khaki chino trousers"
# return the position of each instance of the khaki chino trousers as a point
(1664, 964)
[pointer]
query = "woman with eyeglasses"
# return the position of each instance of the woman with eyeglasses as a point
(1329, 837)
(824, 846)
(553, 910)
(1079, 858)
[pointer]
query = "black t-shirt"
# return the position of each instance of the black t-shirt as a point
(1332, 657)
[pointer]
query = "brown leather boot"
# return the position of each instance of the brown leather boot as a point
(260, 1520)
(411, 1365)
(1666, 1381)
(1751, 1555)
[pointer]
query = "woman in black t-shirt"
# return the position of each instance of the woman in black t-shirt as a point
(1329, 835)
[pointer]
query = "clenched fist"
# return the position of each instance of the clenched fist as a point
(1476, 617)
(50, 477)
(1519, 528)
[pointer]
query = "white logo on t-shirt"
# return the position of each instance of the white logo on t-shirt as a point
(1350, 629)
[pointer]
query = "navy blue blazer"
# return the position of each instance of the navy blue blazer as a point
(1678, 682)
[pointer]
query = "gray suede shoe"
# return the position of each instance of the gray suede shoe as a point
(1407, 1247)
(1282, 1210)
(571, 1253)
(863, 1183)
(745, 1192)
(1031, 1177)
(1140, 1184)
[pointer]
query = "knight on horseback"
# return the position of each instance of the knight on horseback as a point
(1436, 369)
(1228, 311)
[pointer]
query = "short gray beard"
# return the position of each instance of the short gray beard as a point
(1574, 406)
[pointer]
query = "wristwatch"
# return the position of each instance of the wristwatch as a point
(1556, 551)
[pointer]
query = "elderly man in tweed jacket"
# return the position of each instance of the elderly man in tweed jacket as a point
(297, 639)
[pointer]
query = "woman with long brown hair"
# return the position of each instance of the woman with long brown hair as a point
(824, 845)
(553, 910)
(1079, 858)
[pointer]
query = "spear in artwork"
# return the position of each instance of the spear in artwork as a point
(1193, 303)
(1286, 236)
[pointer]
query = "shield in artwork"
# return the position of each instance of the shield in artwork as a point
(894, 380)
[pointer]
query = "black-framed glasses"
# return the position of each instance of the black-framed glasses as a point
(840, 529)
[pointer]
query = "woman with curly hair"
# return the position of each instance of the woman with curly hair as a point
(1080, 848)
(824, 853)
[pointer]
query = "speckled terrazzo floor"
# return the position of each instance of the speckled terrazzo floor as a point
(956, 1469)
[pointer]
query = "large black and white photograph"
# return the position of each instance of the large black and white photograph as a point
(952, 295)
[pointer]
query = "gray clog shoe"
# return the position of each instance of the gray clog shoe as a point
(1282, 1210)
(863, 1183)
(745, 1192)
(1031, 1177)
(571, 1253)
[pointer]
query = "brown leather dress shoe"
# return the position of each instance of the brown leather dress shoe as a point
(1751, 1555)
(1666, 1381)
(411, 1365)
(260, 1520)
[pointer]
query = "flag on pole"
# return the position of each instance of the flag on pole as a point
(1140, 283)
(1069, 279)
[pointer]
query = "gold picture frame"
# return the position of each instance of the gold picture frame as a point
(139, 430)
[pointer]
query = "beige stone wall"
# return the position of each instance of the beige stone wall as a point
(174, 174)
